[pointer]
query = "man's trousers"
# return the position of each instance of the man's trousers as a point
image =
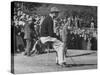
(58, 47)
(28, 46)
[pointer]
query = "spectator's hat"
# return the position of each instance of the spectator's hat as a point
(54, 9)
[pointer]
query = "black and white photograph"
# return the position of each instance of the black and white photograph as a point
(50, 37)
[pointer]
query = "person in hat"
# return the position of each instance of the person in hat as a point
(47, 35)
(29, 32)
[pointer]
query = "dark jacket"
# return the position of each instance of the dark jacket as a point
(29, 31)
(47, 27)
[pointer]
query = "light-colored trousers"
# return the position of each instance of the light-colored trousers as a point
(58, 47)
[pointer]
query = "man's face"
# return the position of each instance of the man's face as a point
(55, 14)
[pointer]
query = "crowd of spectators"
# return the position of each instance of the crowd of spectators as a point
(79, 37)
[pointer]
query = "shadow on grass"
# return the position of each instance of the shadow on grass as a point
(84, 54)
(78, 65)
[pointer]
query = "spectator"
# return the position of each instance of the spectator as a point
(29, 35)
